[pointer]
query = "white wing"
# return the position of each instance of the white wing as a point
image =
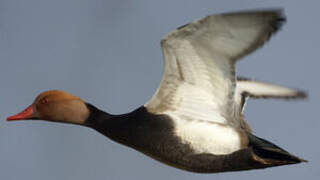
(199, 77)
(247, 88)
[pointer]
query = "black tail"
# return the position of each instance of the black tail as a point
(270, 154)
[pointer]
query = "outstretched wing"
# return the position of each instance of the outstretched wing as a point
(247, 88)
(199, 75)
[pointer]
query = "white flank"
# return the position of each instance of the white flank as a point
(207, 137)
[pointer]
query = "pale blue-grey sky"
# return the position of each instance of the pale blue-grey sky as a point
(108, 53)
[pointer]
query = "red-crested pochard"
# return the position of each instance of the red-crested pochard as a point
(194, 120)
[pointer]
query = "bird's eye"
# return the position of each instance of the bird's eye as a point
(44, 100)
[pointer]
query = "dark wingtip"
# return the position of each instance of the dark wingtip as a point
(280, 21)
(301, 94)
(278, 18)
(277, 15)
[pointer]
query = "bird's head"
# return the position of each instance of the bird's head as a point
(56, 106)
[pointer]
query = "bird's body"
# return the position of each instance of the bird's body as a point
(155, 136)
(194, 121)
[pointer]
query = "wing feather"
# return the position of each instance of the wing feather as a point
(247, 88)
(199, 63)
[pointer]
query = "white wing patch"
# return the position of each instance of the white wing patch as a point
(206, 137)
(200, 107)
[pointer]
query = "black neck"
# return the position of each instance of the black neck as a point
(96, 116)
(116, 127)
(138, 129)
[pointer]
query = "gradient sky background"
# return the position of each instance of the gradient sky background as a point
(108, 53)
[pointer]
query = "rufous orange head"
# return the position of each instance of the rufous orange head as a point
(57, 106)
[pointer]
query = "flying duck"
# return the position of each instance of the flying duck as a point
(194, 121)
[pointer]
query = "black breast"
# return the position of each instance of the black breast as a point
(146, 132)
